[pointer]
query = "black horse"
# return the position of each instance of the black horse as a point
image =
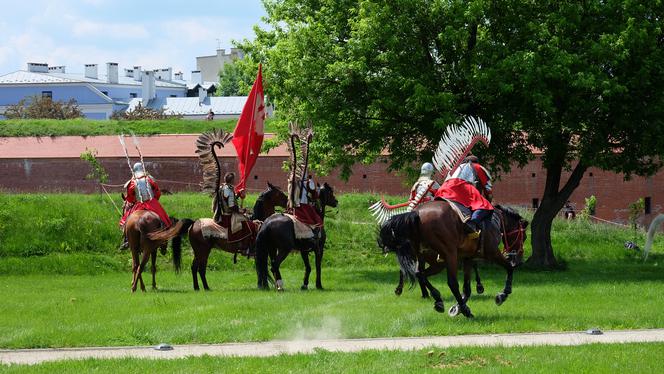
(276, 239)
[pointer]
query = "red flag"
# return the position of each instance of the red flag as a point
(248, 134)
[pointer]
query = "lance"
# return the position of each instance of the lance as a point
(124, 148)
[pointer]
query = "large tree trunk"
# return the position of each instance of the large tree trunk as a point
(552, 201)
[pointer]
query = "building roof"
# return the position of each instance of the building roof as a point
(190, 85)
(109, 147)
(191, 106)
(25, 77)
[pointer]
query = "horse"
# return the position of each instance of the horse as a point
(202, 246)
(139, 226)
(436, 227)
(276, 239)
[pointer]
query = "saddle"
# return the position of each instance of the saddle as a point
(212, 230)
(463, 212)
(302, 230)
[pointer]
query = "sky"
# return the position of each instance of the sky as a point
(152, 34)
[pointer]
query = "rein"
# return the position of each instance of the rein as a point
(517, 245)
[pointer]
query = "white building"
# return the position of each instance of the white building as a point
(209, 66)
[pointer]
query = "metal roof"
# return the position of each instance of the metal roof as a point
(190, 85)
(191, 106)
(22, 76)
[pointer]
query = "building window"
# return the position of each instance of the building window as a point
(647, 205)
(48, 94)
(133, 95)
(174, 96)
(535, 203)
(105, 92)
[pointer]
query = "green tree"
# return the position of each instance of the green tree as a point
(580, 81)
(35, 107)
(234, 81)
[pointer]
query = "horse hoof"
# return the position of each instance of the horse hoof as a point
(398, 291)
(320, 288)
(425, 296)
(500, 298)
(280, 289)
(480, 289)
(454, 310)
(304, 287)
(465, 310)
(439, 306)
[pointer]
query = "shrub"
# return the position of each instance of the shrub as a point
(36, 107)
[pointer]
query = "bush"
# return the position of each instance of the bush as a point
(140, 112)
(36, 107)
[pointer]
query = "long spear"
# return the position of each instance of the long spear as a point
(124, 148)
(135, 139)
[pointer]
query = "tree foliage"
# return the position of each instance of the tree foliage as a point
(141, 112)
(38, 107)
(579, 81)
(234, 81)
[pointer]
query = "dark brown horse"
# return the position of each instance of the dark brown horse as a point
(202, 246)
(434, 226)
(276, 239)
(139, 227)
(435, 267)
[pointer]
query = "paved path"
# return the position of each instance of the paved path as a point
(272, 348)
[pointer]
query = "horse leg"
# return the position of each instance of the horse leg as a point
(453, 284)
(467, 269)
(319, 261)
(153, 267)
(202, 267)
(478, 283)
(134, 269)
(141, 267)
(307, 270)
(423, 278)
(194, 272)
(499, 259)
(423, 283)
(399, 289)
(277, 259)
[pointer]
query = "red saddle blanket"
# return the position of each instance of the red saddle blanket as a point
(306, 213)
(248, 229)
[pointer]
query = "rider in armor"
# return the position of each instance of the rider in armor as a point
(425, 188)
(470, 185)
(142, 193)
(226, 209)
(309, 192)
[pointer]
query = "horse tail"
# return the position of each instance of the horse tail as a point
(651, 234)
(176, 243)
(397, 233)
(176, 229)
(262, 256)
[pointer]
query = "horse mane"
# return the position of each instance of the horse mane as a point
(510, 212)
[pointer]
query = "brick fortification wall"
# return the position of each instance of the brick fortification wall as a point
(520, 187)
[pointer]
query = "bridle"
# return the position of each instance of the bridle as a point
(516, 247)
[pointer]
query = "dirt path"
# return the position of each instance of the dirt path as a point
(272, 348)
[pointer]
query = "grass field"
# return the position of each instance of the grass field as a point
(87, 127)
(65, 284)
(613, 358)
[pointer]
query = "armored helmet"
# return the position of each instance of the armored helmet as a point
(139, 170)
(427, 170)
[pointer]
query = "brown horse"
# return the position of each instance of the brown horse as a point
(140, 225)
(435, 267)
(434, 226)
(202, 246)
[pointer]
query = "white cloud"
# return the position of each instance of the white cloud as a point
(90, 29)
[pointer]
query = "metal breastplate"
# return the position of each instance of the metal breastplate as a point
(465, 172)
(143, 190)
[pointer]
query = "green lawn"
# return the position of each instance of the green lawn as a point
(612, 358)
(87, 127)
(64, 283)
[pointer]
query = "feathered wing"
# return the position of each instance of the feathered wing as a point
(654, 225)
(382, 211)
(457, 141)
(207, 157)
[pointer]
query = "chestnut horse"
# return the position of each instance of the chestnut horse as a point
(140, 225)
(435, 227)
(202, 246)
(276, 239)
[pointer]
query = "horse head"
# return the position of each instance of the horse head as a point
(513, 232)
(276, 196)
(327, 197)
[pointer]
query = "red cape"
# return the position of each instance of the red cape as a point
(463, 193)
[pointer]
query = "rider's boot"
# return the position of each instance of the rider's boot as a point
(125, 243)
(472, 228)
